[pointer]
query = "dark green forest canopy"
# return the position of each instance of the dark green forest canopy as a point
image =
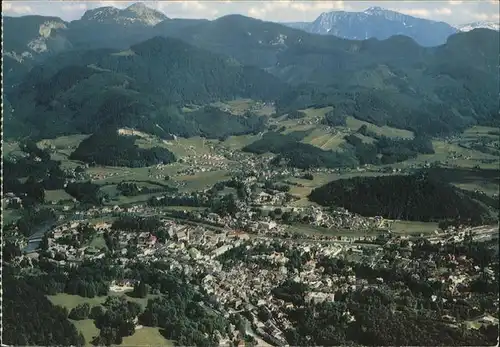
(84, 92)
(111, 149)
(298, 154)
(433, 91)
(29, 318)
(416, 197)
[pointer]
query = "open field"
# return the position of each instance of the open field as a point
(238, 142)
(478, 130)
(240, 106)
(324, 139)
(471, 179)
(63, 144)
(398, 227)
(57, 195)
(124, 200)
(452, 155)
(87, 328)
(9, 147)
(311, 114)
(181, 147)
(146, 336)
(202, 180)
(9, 216)
(143, 336)
(113, 175)
(413, 228)
(319, 231)
(355, 124)
(323, 178)
(317, 112)
(71, 301)
(98, 242)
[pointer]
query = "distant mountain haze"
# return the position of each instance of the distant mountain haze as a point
(479, 25)
(137, 68)
(379, 23)
(137, 13)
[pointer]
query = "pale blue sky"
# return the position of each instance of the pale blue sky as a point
(453, 12)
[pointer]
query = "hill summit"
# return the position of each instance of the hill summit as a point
(137, 13)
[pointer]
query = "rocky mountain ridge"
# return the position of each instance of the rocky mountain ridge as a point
(137, 13)
(379, 23)
(479, 25)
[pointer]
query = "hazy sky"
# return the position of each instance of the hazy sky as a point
(453, 12)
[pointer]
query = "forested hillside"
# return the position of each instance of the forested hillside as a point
(429, 90)
(297, 154)
(82, 92)
(111, 149)
(43, 324)
(415, 197)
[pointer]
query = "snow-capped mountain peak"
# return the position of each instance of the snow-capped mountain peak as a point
(375, 10)
(477, 25)
(379, 23)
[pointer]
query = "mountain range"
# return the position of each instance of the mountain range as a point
(137, 68)
(479, 25)
(376, 22)
(29, 40)
(380, 23)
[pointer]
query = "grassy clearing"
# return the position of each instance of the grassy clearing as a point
(134, 199)
(324, 139)
(444, 148)
(9, 216)
(311, 114)
(485, 180)
(315, 230)
(194, 146)
(87, 328)
(412, 228)
(57, 195)
(143, 336)
(98, 242)
(71, 301)
(489, 188)
(115, 175)
(9, 147)
(291, 126)
(317, 112)
(63, 143)
(452, 155)
(202, 180)
(240, 106)
(146, 336)
(238, 142)
(265, 110)
(184, 208)
(398, 227)
(480, 131)
(319, 180)
(355, 124)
